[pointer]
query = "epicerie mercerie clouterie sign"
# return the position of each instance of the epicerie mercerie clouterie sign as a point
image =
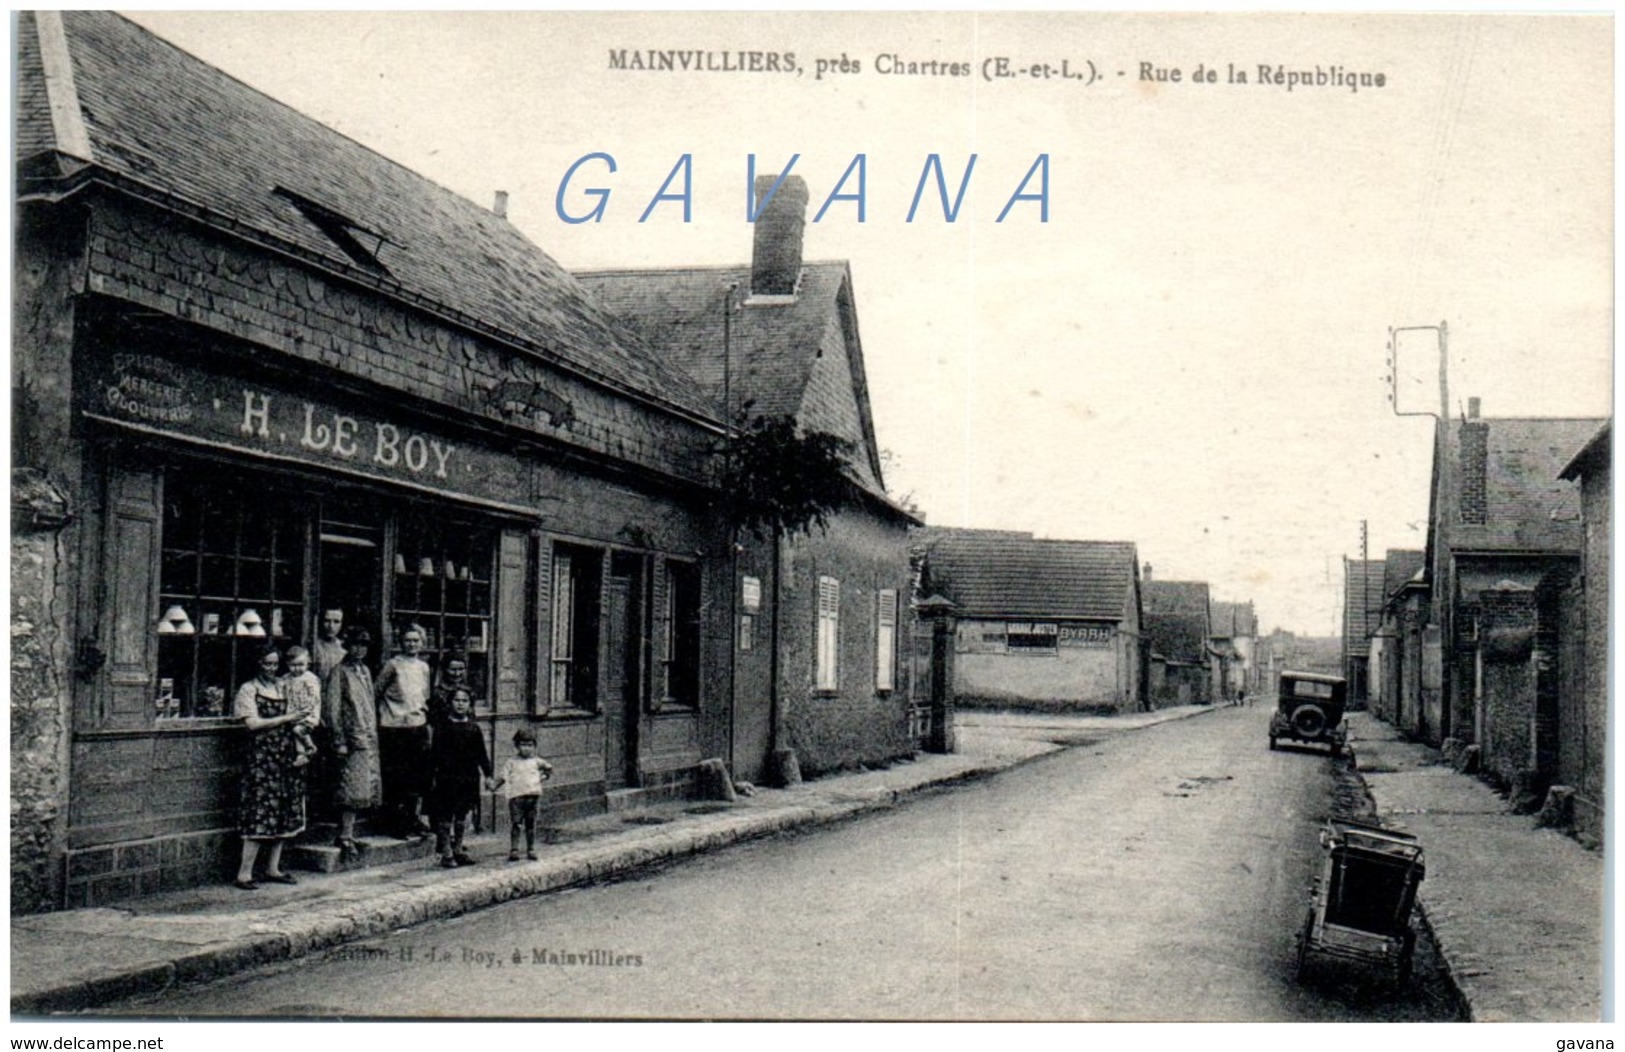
(154, 394)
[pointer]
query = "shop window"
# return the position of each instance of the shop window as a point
(829, 634)
(577, 612)
(231, 581)
(682, 644)
(442, 583)
(886, 639)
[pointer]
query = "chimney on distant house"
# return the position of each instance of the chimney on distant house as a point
(1148, 571)
(775, 260)
(500, 205)
(1475, 443)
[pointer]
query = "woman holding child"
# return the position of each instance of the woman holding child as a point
(273, 800)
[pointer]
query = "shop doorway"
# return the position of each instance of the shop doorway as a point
(624, 684)
(350, 563)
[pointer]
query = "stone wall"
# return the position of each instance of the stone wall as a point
(856, 723)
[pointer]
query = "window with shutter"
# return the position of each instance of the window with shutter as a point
(829, 634)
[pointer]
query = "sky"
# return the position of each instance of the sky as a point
(1189, 351)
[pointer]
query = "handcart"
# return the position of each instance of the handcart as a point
(1362, 900)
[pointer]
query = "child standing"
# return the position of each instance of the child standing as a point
(524, 775)
(303, 692)
(458, 764)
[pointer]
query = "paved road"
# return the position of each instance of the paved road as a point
(1155, 875)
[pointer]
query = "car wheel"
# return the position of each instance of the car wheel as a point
(1309, 721)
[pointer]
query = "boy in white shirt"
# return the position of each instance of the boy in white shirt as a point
(524, 775)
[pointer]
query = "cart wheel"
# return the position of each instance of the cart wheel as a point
(1301, 968)
(1407, 960)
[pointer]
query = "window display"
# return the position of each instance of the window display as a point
(232, 579)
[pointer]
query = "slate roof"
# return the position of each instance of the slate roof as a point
(1597, 452)
(1363, 599)
(1177, 637)
(1528, 507)
(160, 119)
(1232, 620)
(773, 348)
(1177, 597)
(1005, 574)
(1399, 566)
(1177, 619)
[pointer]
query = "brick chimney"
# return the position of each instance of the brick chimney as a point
(500, 205)
(1475, 442)
(1148, 571)
(775, 261)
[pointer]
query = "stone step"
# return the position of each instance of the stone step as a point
(618, 800)
(324, 857)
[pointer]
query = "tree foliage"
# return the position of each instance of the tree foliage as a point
(780, 481)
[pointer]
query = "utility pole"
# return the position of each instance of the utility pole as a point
(1442, 330)
(732, 530)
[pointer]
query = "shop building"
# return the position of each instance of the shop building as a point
(261, 371)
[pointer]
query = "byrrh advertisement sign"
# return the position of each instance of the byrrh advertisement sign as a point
(158, 395)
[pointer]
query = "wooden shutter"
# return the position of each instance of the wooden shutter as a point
(128, 622)
(513, 659)
(829, 633)
(886, 639)
(562, 629)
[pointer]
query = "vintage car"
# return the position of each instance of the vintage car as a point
(1309, 708)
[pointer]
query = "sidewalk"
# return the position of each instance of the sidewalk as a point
(80, 958)
(1517, 911)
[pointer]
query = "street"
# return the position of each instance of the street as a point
(1159, 874)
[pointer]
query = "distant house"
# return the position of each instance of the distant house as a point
(1177, 618)
(1051, 623)
(1234, 639)
(821, 621)
(1398, 628)
(1282, 651)
(1362, 611)
(1505, 542)
(1582, 748)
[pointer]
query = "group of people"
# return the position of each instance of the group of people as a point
(398, 742)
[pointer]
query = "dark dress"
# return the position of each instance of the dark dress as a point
(456, 762)
(273, 799)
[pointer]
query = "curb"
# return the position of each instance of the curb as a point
(1446, 964)
(305, 937)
